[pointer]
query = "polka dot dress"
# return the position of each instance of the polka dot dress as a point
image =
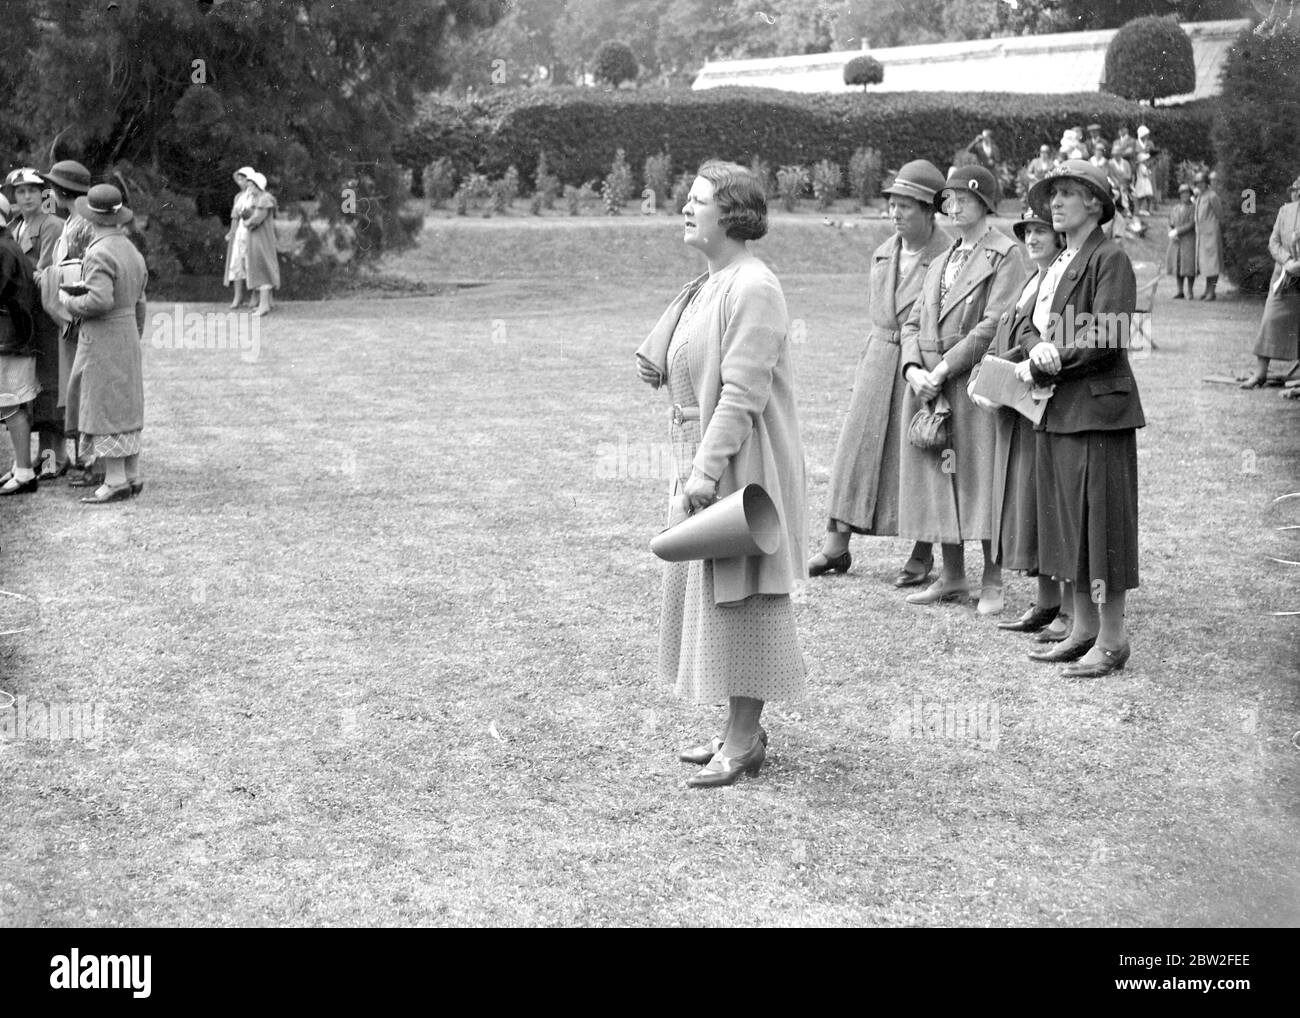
(710, 652)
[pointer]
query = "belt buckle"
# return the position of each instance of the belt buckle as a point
(678, 419)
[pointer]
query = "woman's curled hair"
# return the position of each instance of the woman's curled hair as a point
(739, 193)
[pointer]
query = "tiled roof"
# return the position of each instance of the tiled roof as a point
(1066, 62)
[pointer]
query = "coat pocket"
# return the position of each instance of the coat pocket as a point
(1110, 386)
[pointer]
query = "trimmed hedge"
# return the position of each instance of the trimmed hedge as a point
(1149, 58)
(580, 129)
(1258, 148)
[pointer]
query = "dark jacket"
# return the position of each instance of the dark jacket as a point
(18, 299)
(1095, 388)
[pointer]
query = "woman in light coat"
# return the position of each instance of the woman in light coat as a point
(1279, 330)
(723, 351)
(251, 258)
(1209, 237)
(864, 474)
(106, 386)
(946, 495)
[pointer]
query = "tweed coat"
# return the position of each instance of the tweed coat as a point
(946, 496)
(39, 235)
(1015, 505)
(864, 472)
(106, 387)
(744, 385)
(1279, 329)
(1181, 259)
(1209, 238)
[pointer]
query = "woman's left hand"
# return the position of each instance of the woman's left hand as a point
(700, 492)
(1046, 357)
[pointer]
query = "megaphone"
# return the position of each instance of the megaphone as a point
(744, 523)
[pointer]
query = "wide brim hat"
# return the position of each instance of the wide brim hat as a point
(103, 205)
(259, 179)
(243, 171)
(1083, 172)
(1295, 184)
(69, 175)
(1143, 131)
(919, 179)
(978, 181)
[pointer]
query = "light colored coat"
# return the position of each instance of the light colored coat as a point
(1209, 238)
(263, 267)
(1279, 328)
(864, 473)
(744, 384)
(76, 233)
(946, 495)
(106, 386)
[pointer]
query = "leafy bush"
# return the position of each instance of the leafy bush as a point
(473, 189)
(658, 176)
(617, 187)
(763, 171)
(1149, 58)
(864, 174)
(1257, 149)
(438, 181)
(546, 186)
(578, 198)
(791, 182)
(864, 70)
(826, 182)
(615, 63)
(510, 183)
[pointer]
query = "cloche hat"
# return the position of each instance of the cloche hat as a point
(977, 180)
(103, 205)
(1083, 172)
(919, 179)
(69, 175)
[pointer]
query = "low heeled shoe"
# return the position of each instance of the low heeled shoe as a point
(828, 564)
(701, 755)
(912, 578)
(938, 591)
(727, 770)
(1114, 662)
(1064, 651)
(1032, 620)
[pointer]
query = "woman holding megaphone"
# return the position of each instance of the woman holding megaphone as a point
(723, 351)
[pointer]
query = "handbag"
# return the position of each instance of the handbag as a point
(930, 429)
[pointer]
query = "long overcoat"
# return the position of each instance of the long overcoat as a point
(1209, 236)
(1279, 329)
(1181, 259)
(744, 385)
(864, 473)
(946, 495)
(106, 387)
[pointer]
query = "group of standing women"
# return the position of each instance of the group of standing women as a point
(252, 265)
(71, 315)
(921, 455)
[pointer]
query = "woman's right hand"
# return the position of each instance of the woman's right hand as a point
(923, 383)
(647, 372)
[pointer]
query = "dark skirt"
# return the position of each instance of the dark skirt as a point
(1015, 493)
(46, 413)
(1279, 329)
(1088, 509)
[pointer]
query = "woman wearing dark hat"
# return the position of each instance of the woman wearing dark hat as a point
(67, 182)
(1181, 259)
(1279, 330)
(36, 233)
(106, 387)
(18, 354)
(945, 494)
(251, 258)
(864, 474)
(1087, 460)
(727, 631)
(1015, 496)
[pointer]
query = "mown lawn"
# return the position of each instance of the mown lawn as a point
(377, 643)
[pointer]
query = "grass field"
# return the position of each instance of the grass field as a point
(377, 643)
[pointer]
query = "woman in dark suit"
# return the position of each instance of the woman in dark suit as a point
(723, 350)
(1087, 462)
(864, 474)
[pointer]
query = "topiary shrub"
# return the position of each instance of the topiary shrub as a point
(617, 186)
(864, 174)
(791, 182)
(546, 185)
(615, 63)
(1257, 149)
(826, 183)
(864, 70)
(1149, 58)
(658, 176)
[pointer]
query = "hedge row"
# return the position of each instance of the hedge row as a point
(581, 128)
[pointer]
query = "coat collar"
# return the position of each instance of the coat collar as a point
(1069, 282)
(981, 263)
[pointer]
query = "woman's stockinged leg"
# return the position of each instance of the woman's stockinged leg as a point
(954, 564)
(743, 714)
